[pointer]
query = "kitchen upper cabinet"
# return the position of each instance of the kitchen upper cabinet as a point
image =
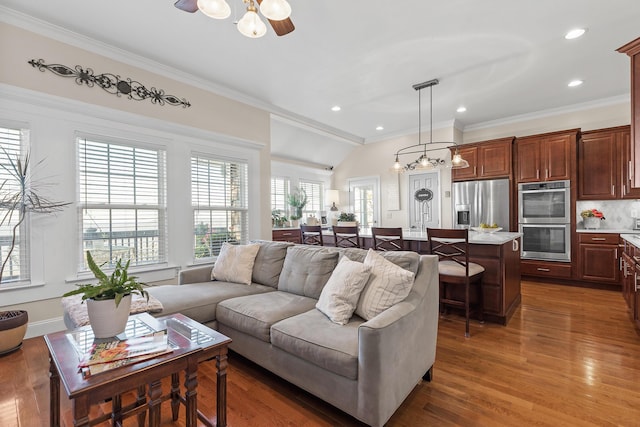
(546, 157)
(633, 50)
(489, 159)
(604, 165)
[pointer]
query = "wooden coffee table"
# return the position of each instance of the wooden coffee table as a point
(195, 343)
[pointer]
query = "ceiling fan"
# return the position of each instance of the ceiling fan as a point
(281, 27)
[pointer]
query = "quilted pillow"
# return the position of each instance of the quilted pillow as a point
(388, 285)
(235, 263)
(340, 295)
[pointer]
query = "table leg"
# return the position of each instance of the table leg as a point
(191, 392)
(116, 410)
(221, 395)
(155, 399)
(175, 395)
(81, 411)
(54, 394)
(141, 400)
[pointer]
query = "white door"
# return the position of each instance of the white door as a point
(363, 198)
(424, 201)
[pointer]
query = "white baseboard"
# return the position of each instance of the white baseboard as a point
(43, 327)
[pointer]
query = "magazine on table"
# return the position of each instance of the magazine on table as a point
(108, 355)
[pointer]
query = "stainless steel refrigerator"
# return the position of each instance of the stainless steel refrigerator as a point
(476, 202)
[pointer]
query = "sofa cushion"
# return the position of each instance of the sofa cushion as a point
(235, 263)
(254, 314)
(408, 260)
(199, 300)
(340, 295)
(306, 270)
(388, 285)
(268, 262)
(313, 337)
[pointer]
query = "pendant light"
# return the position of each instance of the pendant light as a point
(250, 24)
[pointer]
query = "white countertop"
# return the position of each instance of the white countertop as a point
(607, 230)
(634, 239)
(497, 238)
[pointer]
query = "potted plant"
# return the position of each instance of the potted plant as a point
(347, 219)
(297, 200)
(591, 218)
(109, 300)
(278, 219)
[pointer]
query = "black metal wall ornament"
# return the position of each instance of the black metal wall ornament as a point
(111, 83)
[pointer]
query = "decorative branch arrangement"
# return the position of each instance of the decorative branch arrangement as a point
(111, 83)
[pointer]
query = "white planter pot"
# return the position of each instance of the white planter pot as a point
(106, 319)
(347, 223)
(591, 222)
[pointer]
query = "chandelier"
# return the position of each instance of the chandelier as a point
(425, 151)
(250, 24)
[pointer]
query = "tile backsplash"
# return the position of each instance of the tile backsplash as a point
(619, 214)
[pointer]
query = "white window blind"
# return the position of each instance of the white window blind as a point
(280, 194)
(16, 261)
(315, 194)
(122, 201)
(219, 196)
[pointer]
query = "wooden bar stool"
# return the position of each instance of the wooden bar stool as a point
(346, 237)
(452, 248)
(387, 239)
(311, 235)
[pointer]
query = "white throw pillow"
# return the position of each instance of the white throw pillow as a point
(235, 263)
(388, 285)
(339, 296)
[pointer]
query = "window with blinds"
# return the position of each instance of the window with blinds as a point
(122, 190)
(315, 194)
(280, 194)
(219, 196)
(15, 260)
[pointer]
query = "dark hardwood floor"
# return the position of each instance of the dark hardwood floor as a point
(569, 356)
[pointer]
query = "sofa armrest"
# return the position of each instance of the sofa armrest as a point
(195, 275)
(397, 347)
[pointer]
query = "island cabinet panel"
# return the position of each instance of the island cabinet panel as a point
(605, 169)
(488, 159)
(286, 235)
(546, 157)
(599, 257)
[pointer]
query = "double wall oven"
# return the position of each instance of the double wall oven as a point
(544, 217)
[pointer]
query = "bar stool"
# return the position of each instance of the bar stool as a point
(311, 235)
(346, 237)
(455, 270)
(387, 239)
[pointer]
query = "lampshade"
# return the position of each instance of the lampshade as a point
(216, 9)
(251, 25)
(276, 10)
(332, 197)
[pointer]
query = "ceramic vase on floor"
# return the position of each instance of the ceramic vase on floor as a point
(13, 326)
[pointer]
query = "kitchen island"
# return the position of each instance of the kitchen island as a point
(498, 253)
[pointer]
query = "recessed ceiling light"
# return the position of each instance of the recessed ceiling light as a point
(575, 83)
(336, 108)
(461, 109)
(379, 127)
(574, 34)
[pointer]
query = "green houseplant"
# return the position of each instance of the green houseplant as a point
(109, 300)
(297, 200)
(347, 219)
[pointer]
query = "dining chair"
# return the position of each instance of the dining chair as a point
(346, 237)
(387, 239)
(456, 271)
(311, 235)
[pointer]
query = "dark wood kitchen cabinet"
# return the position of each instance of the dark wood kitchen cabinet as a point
(488, 159)
(605, 170)
(546, 157)
(630, 273)
(633, 50)
(286, 235)
(599, 257)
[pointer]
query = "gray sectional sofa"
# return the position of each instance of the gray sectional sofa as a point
(365, 368)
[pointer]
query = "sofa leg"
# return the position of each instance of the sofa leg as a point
(428, 376)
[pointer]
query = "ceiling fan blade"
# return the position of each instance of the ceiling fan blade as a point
(187, 5)
(281, 27)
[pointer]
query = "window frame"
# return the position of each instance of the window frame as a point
(320, 203)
